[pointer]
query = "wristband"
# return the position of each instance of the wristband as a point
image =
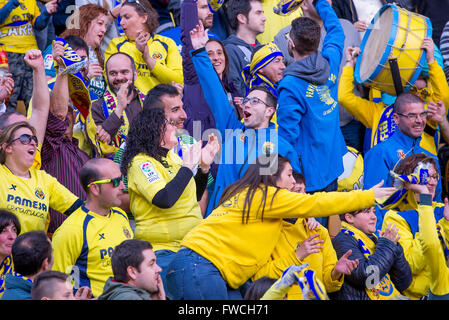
(112, 14)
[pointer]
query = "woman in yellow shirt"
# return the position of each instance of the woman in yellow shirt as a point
(164, 189)
(156, 57)
(228, 247)
(28, 192)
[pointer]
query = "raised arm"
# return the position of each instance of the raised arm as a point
(41, 94)
(216, 98)
(59, 100)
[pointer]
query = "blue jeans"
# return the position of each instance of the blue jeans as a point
(192, 277)
(163, 259)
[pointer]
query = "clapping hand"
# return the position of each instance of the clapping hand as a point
(391, 233)
(6, 86)
(436, 111)
(208, 152)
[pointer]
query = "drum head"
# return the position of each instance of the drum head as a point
(376, 44)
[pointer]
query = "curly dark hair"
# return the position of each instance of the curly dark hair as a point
(145, 136)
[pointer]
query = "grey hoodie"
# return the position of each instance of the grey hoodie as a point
(240, 54)
(314, 69)
(121, 291)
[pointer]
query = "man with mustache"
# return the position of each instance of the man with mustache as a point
(121, 102)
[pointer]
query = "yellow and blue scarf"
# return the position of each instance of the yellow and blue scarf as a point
(384, 289)
(404, 199)
(261, 58)
(78, 87)
(285, 7)
(109, 104)
(6, 267)
(214, 5)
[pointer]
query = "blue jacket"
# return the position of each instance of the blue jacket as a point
(308, 113)
(240, 145)
(17, 288)
(383, 157)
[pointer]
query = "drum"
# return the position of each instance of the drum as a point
(394, 33)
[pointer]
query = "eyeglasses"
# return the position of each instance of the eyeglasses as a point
(435, 176)
(138, 3)
(25, 139)
(414, 116)
(115, 182)
(253, 101)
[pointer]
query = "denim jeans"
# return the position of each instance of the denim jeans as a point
(192, 277)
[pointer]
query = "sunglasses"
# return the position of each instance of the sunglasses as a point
(115, 182)
(138, 3)
(25, 139)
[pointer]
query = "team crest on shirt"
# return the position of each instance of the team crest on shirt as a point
(126, 233)
(39, 193)
(15, 18)
(401, 154)
(149, 172)
(157, 55)
(268, 147)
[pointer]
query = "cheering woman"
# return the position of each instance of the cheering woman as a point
(227, 248)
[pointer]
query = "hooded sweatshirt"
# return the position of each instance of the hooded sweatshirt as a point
(114, 290)
(308, 115)
(240, 53)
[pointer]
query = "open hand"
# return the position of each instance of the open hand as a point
(199, 36)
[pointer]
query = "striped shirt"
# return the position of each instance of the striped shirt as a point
(62, 159)
(444, 48)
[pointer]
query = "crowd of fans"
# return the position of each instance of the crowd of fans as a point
(205, 149)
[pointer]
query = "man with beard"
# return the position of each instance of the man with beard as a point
(204, 15)
(121, 102)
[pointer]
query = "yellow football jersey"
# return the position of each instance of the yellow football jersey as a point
(164, 228)
(83, 246)
(168, 66)
(16, 32)
(30, 199)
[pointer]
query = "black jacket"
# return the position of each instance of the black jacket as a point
(387, 256)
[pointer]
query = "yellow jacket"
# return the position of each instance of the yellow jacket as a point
(238, 249)
(369, 113)
(413, 252)
(284, 256)
(168, 67)
(433, 249)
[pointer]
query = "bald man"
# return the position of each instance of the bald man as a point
(84, 243)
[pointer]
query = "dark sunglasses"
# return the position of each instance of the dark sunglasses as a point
(25, 139)
(115, 182)
(138, 3)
